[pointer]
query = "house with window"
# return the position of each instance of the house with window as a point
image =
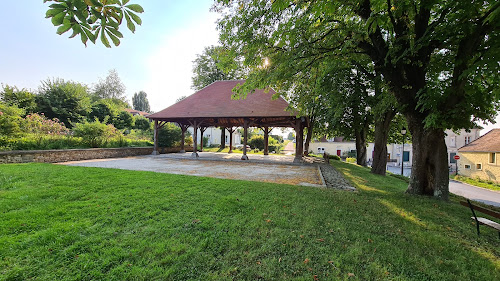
(458, 139)
(480, 158)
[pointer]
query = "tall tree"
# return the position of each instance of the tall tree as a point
(140, 101)
(92, 19)
(438, 58)
(65, 100)
(21, 98)
(208, 68)
(111, 87)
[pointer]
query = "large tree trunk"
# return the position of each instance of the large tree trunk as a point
(429, 164)
(361, 147)
(308, 137)
(382, 127)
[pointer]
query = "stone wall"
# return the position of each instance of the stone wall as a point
(64, 155)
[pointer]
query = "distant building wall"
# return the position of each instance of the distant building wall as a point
(479, 165)
(343, 148)
(454, 141)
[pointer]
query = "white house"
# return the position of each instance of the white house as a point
(344, 148)
(454, 141)
(213, 134)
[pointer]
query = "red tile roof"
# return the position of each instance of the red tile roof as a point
(136, 112)
(215, 101)
(489, 142)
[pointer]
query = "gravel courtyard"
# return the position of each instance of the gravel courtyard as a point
(276, 169)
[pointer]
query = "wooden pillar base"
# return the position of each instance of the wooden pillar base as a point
(182, 151)
(244, 157)
(297, 159)
(155, 152)
(195, 155)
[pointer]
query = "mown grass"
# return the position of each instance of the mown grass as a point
(76, 223)
(478, 182)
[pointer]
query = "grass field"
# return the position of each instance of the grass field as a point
(74, 223)
(478, 182)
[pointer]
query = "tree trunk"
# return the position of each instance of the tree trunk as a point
(223, 138)
(429, 164)
(382, 127)
(361, 147)
(308, 137)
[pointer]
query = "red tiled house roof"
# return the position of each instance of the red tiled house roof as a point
(490, 142)
(136, 112)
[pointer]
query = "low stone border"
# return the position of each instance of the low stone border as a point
(64, 155)
(333, 178)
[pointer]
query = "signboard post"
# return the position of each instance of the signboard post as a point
(456, 157)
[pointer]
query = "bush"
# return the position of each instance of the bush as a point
(168, 135)
(334, 157)
(95, 134)
(142, 123)
(123, 120)
(350, 160)
(205, 141)
(256, 141)
(10, 118)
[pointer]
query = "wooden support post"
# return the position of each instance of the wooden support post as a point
(202, 131)
(183, 136)
(266, 140)
(245, 133)
(223, 138)
(155, 136)
(195, 141)
(231, 131)
(299, 141)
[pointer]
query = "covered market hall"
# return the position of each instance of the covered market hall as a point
(213, 106)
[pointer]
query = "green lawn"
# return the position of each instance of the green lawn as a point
(75, 223)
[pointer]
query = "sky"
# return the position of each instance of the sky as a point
(157, 59)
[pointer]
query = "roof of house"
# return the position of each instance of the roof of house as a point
(489, 142)
(214, 101)
(136, 112)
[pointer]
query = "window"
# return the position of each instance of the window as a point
(467, 139)
(467, 167)
(453, 141)
(479, 166)
(493, 157)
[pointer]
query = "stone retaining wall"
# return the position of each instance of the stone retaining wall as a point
(64, 155)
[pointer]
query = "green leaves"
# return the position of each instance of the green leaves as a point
(94, 18)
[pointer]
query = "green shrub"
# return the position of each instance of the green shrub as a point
(168, 135)
(10, 118)
(334, 157)
(205, 141)
(95, 134)
(256, 141)
(142, 123)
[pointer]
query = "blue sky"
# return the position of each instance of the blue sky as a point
(156, 59)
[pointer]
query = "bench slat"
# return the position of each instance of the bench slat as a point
(488, 222)
(482, 210)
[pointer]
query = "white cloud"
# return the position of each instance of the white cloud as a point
(170, 65)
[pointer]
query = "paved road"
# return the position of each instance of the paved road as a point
(475, 193)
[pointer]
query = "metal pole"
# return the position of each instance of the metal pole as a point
(456, 167)
(402, 155)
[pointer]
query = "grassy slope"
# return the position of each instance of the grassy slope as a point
(75, 223)
(478, 182)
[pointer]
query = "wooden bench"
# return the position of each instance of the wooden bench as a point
(483, 221)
